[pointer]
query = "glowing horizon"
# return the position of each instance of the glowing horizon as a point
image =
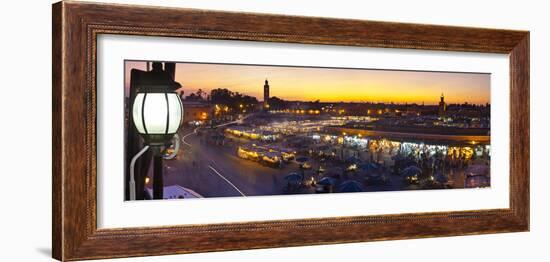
(331, 84)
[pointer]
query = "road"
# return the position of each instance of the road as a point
(216, 171)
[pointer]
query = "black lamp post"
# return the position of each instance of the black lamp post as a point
(157, 113)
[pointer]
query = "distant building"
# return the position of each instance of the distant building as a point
(442, 106)
(196, 111)
(266, 95)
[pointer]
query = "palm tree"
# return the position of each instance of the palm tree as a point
(200, 93)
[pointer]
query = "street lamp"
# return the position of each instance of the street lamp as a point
(157, 113)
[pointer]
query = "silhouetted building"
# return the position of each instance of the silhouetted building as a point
(197, 111)
(442, 106)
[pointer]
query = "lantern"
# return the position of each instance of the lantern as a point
(157, 113)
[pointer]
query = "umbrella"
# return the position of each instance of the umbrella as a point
(302, 159)
(441, 178)
(351, 186)
(411, 171)
(293, 177)
(353, 159)
(409, 162)
(327, 181)
(370, 167)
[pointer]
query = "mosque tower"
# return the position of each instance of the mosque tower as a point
(266, 94)
(442, 106)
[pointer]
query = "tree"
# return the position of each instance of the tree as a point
(233, 100)
(200, 93)
(221, 96)
(197, 96)
(192, 96)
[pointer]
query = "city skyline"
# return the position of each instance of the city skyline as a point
(256, 145)
(331, 84)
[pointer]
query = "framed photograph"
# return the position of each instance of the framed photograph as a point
(181, 130)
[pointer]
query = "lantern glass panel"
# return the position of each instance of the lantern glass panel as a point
(155, 113)
(175, 111)
(136, 113)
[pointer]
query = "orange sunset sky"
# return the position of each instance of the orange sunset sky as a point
(331, 84)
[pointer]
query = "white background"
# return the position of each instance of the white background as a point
(25, 106)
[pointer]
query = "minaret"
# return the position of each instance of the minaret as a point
(266, 94)
(442, 106)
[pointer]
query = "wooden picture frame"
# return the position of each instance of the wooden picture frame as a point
(76, 26)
